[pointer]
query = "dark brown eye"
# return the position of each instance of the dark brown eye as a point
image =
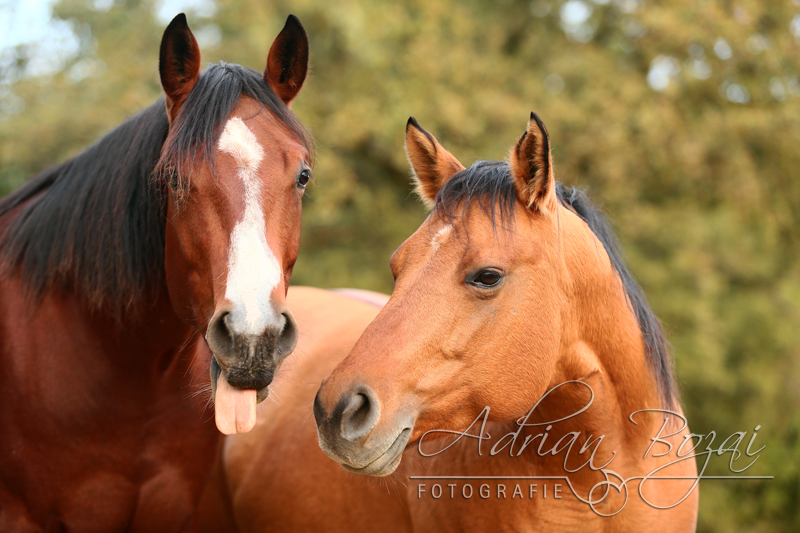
(302, 179)
(173, 179)
(487, 278)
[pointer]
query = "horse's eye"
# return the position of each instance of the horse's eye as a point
(302, 179)
(487, 278)
(173, 179)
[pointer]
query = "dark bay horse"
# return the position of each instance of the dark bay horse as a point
(181, 223)
(516, 380)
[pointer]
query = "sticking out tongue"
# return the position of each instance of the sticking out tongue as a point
(235, 409)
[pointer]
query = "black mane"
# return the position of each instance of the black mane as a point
(490, 184)
(96, 222)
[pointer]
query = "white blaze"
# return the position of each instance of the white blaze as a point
(253, 270)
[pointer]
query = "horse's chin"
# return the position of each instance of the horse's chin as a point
(234, 407)
(386, 462)
(379, 471)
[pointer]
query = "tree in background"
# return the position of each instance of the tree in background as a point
(680, 118)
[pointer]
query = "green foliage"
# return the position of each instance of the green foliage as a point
(700, 176)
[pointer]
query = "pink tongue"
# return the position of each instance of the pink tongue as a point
(235, 409)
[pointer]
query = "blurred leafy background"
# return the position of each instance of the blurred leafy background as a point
(681, 118)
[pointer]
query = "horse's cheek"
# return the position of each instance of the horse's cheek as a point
(187, 292)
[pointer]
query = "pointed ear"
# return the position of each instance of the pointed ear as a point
(287, 63)
(532, 167)
(432, 164)
(178, 64)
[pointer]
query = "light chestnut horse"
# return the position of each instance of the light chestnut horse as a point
(516, 376)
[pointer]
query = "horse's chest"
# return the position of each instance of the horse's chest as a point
(147, 489)
(124, 473)
(94, 435)
(108, 502)
(507, 506)
(159, 479)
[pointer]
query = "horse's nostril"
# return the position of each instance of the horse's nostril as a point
(219, 335)
(224, 327)
(287, 338)
(320, 415)
(360, 416)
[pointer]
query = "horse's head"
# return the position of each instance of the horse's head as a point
(481, 309)
(235, 165)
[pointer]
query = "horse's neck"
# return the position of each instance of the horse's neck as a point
(147, 338)
(155, 332)
(603, 344)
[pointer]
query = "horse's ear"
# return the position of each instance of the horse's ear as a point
(432, 164)
(532, 167)
(178, 64)
(287, 63)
